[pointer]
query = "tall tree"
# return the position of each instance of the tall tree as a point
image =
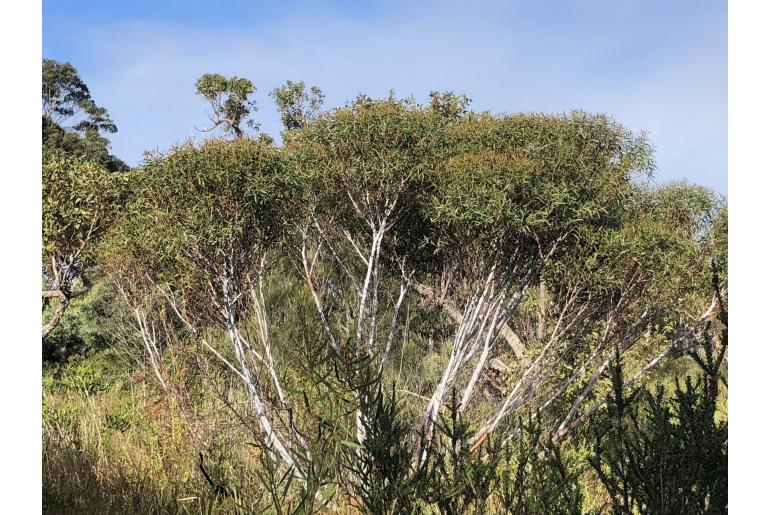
(201, 224)
(230, 104)
(72, 121)
(297, 106)
(515, 192)
(367, 163)
(80, 200)
(67, 100)
(627, 288)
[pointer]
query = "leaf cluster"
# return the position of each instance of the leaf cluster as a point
(366, 160)
(202, 212)
(518, 178)
(80, 201)
(66, 96)
(296, 105)
(229, 101)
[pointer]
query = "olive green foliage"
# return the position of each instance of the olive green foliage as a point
(660, 454)
(261, 250)
(449, 105)
(653, 258)
(688, 209)
(80, 201)
(639, 285)
(79, 198)
(90, 145)
(66, 96)
(660, 250)
(697, 218)
(524, 177)
(719, 237)
(72, 122)
(367, 160)
(642, 255)
(297, 106)
(204, 212)
(229, 102)
(87, 326)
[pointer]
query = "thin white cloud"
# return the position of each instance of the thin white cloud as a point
(671, 82)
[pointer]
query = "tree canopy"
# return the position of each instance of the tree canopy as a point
(296, 105)
(417, 303)
(229, 101)
(67, 99)
(80, 201)
(72, 122)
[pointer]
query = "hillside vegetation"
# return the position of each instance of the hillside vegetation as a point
(401, 308)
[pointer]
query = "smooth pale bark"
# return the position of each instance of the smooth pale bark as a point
(493, 333)
(258, 298)
(367, 307)
(367, 316)
(490, 306)
(532, 379)
(56, 316)
(64, 300)
(568, 424)
(150, 342)
(542, 309)
(513, 340)
(513, 397)
(271, 434)
(148, 334)
(584, 394)
(393, 326)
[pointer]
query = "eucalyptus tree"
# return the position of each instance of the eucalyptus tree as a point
(449, 104)
(452, 107)
(368, 164)
(636, 289)
(695, 214)
(296, 105)
(229, 101)
(72, 121)
(128, 255)
(67, 100)
(515, 192)
(80, 201)
(204, 218)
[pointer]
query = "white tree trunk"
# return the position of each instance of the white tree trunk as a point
(271, 434)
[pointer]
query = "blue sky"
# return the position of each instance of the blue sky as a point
(657, 66)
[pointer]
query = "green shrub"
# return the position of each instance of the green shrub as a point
(659, 454)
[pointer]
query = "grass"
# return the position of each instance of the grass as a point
(112, 443)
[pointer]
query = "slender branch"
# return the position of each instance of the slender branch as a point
(393, 325)
(56, 316)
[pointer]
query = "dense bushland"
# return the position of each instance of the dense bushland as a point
(401, 309)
